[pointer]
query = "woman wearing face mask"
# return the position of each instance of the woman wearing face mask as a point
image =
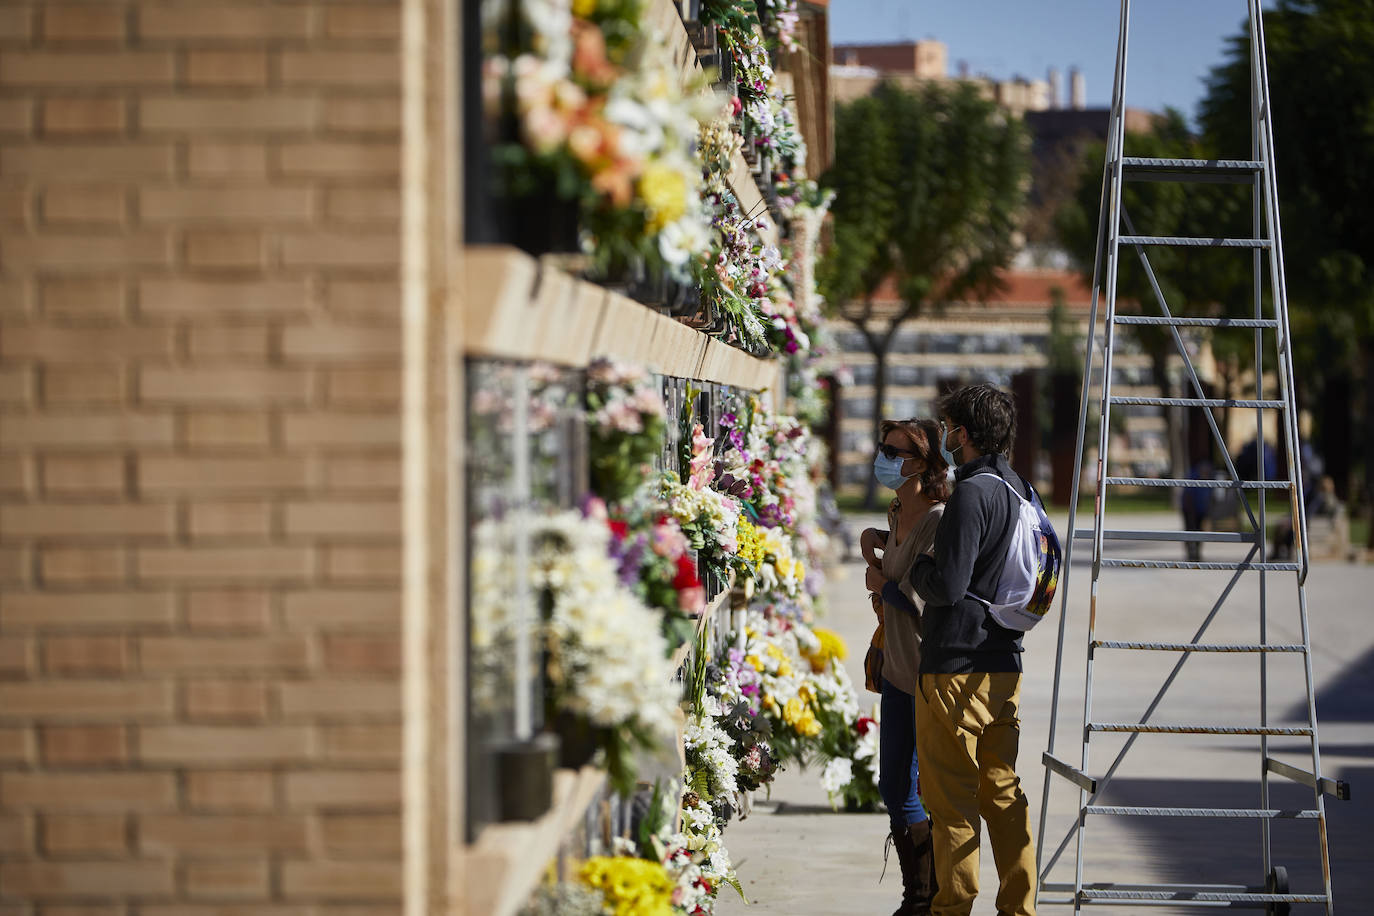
(908, 461)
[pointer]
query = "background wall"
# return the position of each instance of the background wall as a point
(199, 458)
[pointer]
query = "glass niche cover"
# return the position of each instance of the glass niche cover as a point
(525, 457)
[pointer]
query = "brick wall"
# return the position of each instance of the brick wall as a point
(199, 458)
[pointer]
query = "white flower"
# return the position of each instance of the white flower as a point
(837, 774)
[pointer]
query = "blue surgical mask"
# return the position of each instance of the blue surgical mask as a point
(949, 455)
(889, 471)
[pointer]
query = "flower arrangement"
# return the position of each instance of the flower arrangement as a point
(605, 653)
(652, 560)
(851, 777)
(594, 110)
(711, 767)
(781, 18)
(625, 424)
(630, 886)
(702, 840)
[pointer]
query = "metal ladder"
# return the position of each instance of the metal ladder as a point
(1116, 230)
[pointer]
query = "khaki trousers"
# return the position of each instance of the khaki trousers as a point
(967, 731)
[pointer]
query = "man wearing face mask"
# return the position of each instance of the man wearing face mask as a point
(968, 701)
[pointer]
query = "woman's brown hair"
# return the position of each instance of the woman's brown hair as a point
(924, 435)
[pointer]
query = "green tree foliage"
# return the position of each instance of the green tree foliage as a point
(930, 187)
(1322, 95)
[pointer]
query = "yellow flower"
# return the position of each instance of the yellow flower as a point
(664, 192)
(583, 9)
(630, 886)
(806, 692)
(784, 668)
(832, 646)
(753, 661)
(809, 725)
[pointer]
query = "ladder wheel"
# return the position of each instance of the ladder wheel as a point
(1277, 883)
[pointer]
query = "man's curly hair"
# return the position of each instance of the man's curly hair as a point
(985, 412)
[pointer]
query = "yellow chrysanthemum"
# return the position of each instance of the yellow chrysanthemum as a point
(664, 192)
(832, 645)
(750, 542)
(630, 886)
(583, 9)
(753, 661)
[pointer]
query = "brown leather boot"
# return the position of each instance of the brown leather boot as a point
(918, 869)
(906, 858)
(919, 888)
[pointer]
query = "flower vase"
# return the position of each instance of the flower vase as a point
(750, 151)
(578, 739)
(544, 223)
(524, 770)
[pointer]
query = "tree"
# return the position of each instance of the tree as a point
(1322, 99)
(929, 188)
(1194, 282)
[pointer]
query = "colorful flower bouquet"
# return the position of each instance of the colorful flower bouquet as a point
(591, 112)
(625, 424)
(605, 664)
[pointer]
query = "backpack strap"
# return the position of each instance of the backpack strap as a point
(1004, 480)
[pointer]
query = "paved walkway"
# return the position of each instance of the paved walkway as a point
(795, 856)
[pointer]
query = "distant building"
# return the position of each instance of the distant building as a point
(990, 341)
(858, 69)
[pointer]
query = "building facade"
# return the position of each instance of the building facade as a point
(1005, 341)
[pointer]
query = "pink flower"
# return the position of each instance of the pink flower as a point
(669, 541)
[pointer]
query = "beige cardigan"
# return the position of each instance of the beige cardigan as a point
(901, 631)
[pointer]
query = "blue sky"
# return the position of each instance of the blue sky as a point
(1173, 42)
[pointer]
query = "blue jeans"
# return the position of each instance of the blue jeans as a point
(897, 769)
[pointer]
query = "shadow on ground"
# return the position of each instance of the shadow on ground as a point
(1229, 851)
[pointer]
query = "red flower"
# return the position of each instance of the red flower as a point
(686, 574)
(864, 724)
(619, 528)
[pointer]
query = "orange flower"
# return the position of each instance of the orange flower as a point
(616, 182)
(589, 55)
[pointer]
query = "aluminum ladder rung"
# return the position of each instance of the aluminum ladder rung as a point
(1222, 897)
(1148, 811)
(1196, 484)
(1219, 171)
(1250, 323)
(1196, 646)
(1180, 241)
(1265, 404)
(1119, 563)
(1124, 534)
(1288, 731)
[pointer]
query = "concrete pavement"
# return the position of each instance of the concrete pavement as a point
(795, 856)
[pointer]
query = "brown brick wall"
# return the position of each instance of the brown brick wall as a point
(199, 457)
